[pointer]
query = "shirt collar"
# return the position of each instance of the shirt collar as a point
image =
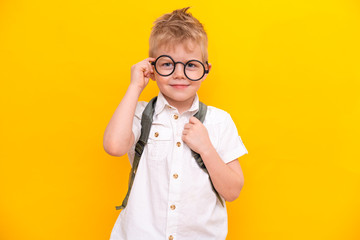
(161, 103)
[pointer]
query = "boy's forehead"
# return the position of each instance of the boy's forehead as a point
(181, 48)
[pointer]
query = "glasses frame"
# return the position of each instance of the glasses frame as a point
(166, 75)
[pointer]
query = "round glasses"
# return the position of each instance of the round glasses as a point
(194, 70)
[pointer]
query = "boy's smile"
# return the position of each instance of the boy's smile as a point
(180, 86)
(177, 89)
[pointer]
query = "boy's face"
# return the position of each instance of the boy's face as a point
(177, 89)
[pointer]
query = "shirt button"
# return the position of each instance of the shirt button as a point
(176, 117)
(171, 237)
(156, 134)
(175, 176)
(178, 144)
(172, 207)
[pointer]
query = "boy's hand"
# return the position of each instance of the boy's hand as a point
(196, 136)
(141, 72)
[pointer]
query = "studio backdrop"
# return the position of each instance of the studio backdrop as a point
(288, 72)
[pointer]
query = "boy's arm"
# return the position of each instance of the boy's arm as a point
(118, 136)
(227, 178)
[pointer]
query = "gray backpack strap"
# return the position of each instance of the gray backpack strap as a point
(201, 116)
(146, 122)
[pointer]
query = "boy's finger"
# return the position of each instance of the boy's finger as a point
(187, 126)
(150, 68)
(194, 120)
(150, 59)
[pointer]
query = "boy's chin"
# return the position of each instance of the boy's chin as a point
(178, 97)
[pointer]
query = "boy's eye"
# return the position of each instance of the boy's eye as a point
(193, 66)
(168, 64)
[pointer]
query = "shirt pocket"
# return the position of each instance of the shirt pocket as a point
(159, 145)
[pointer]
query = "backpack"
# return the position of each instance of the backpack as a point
(146, 122)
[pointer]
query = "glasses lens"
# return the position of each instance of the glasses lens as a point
(165, 65)
(194, 70)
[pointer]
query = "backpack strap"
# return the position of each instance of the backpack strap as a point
(146, 122)
(201, 116)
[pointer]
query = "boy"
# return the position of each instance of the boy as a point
(171, 196)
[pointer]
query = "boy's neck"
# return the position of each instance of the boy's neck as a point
(181, 106)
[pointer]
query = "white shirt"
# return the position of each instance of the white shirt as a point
(171, 197)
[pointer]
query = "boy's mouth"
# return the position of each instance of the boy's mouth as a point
(179, 86)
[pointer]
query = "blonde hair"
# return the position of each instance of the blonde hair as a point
(177, 27)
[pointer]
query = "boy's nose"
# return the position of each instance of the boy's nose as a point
(179, 71)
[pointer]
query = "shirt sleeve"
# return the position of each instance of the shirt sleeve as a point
(231, 146)
(136, 128)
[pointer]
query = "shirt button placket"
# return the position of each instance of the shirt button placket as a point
(174, 183)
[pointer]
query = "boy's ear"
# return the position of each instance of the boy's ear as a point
(152, 76)
(209, 66)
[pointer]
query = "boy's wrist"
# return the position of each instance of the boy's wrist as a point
(136, 88)
(207, 151)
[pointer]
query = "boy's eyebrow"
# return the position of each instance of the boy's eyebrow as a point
(186, 60)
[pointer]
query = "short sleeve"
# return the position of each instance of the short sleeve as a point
(231, 146)
(136, 127)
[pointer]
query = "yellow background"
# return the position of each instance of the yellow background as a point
(287, 71)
